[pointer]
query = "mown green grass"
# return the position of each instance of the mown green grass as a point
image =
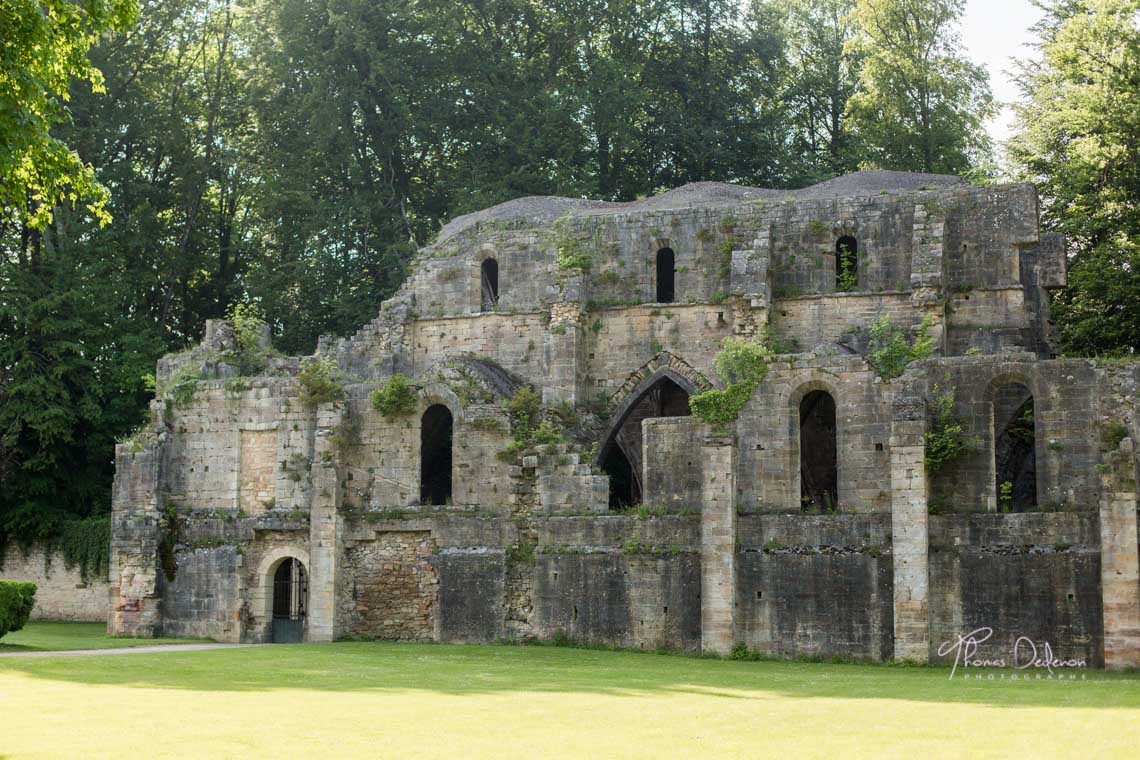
(42, 637)
(360, 699)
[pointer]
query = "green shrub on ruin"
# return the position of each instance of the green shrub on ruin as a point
(892, 349)
(395, 398)
(16, 601)
(1113, 433)
(320, 382)
(571, 254)
(944, 441)
(742, 365)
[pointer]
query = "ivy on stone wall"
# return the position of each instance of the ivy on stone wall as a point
(84, 544)
(945, 441)
(742, 365)
(320, 381)
(892, 349)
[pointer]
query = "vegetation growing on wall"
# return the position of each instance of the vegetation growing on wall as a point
(395, 398)
(320, 381)
(944, 441)
(572, 255)
(892, 349)
(742, 365)
(84, 544)
(170, 530)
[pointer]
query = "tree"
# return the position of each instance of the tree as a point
(45, 51)
(922, 105)
(823, 74)
(1078, 138)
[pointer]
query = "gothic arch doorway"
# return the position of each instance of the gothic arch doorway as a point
(290, 601)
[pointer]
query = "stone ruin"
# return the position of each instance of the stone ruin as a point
(813, 525)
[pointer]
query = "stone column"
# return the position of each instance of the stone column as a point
(135, 528)
(1119, 561)
(325, 526)
(718, 544)
(563, 345)
(909, 529)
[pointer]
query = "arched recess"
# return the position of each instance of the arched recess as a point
(437, 431)
(846, 263)
(666, 276)
(664, 393)
(1014, 436)
(819, 456)
(265, 595)
(814, 443)
(489, 284)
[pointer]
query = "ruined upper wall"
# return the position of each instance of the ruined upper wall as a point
(926, 234)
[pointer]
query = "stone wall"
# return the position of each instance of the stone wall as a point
(61, 592)
(390, 587)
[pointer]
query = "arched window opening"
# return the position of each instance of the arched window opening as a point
(819, 476)
(621, 454)
(846, 263)
(435, 455)
(1015, 457)
(666, 276)
(489, 285)
(290, 599)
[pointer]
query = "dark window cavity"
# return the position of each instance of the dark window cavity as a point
(666, 276)
(1015, 458)
(846, 263)
(621, 454)
(435, 455)
(819, 477)
(489, 285)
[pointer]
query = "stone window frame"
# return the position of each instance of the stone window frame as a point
(484, 252)
(430, 395)
(997, 382)
(800, 388)
(656, 245)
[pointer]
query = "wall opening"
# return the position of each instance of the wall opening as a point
(435, 455)
(489, 280)
(621, 454)
(290, 600)
(819, 472)
(1015, 456)
(846, 263)
(666, 276)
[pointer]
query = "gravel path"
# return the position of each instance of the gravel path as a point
(129, 650)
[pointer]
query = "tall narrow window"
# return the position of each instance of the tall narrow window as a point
(435, 455)
(846, 263)
(489, 285)
(1015, 458)
(819, 476)
(666, 276)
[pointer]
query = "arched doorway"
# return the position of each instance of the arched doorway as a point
(489, 284)
(1015, 444)
(290, 601)
(666, 276)
(819, 471)
(621, 454)
(435, 455)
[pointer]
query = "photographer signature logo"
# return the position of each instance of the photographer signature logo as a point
(1025, 655)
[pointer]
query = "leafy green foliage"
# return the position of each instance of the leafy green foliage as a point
(742, 365)
(847, 278)
(395, 398)
(892, 350)
(1112, 433)
(320, 381)
(86, 545)
(44, 55)
(571, 254)
(16, 602)
(944, 441)
(1077, 137)
(921, 105)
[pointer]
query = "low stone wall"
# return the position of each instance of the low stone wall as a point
(61, 593)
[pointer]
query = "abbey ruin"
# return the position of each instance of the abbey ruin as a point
(507, 450)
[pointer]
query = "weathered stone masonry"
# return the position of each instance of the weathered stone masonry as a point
(811, 526)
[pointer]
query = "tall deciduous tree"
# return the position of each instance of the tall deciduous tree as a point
(1078, 138)
(922, 105)
(44, 52)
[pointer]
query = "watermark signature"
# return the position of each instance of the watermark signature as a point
(1026, 655)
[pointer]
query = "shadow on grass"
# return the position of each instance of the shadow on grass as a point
(483, 669)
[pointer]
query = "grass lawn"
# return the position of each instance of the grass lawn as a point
(404, 700)
(39, 637)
